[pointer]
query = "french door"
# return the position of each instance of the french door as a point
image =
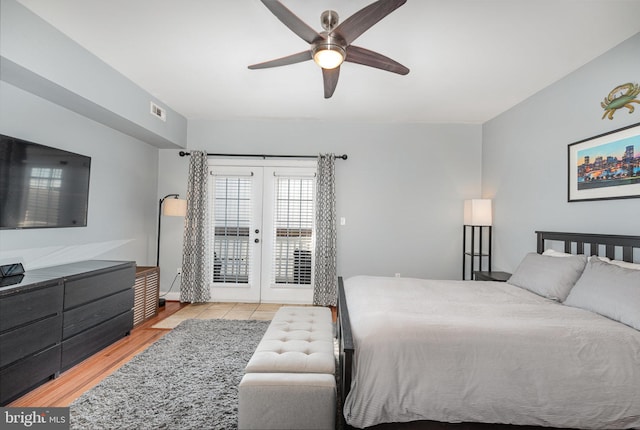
(263, 233)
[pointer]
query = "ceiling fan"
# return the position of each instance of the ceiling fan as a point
(331, 47)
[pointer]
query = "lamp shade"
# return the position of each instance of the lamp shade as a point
(477, 212)
(174, 207)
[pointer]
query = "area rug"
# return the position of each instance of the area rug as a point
(186, 380)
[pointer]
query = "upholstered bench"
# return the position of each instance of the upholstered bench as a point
(289, 382)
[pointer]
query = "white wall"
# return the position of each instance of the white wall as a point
(401, 190)
(122, 189)
(525, 158)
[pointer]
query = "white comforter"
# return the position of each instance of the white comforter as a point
(458, 351)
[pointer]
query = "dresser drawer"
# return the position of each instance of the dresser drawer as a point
(94, 313)
(26, 374)
(83, 290)
(79, 347)
(19, 309)
(26, 340)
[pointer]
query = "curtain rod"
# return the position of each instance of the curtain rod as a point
(182, 154)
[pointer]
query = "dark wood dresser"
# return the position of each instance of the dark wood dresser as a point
(55, 317)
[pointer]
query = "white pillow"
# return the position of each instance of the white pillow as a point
(549, 277)
(554, 253)
(608, 290)
(620, 263)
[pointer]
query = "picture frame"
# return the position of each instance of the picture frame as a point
(606, 166)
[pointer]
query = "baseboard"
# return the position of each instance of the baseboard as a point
(173, 297)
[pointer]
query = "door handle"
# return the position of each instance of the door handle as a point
(256, 240)
(257, 231)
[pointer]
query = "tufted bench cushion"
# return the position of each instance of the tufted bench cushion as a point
(298, 340)
(289, 382)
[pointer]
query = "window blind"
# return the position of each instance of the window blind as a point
(231, 223)
(293, 230)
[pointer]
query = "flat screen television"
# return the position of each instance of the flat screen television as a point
(42, 187)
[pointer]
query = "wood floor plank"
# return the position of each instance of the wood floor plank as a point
(70, 385)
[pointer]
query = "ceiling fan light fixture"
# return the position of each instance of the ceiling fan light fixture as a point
(328, 48)
(329, 56)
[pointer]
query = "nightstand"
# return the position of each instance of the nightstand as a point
(491, 276)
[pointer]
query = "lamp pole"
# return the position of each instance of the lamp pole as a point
(159, 220)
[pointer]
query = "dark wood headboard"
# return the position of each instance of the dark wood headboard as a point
(595, 243)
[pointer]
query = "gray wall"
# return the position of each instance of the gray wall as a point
(525, 158)
(37, 57)
(401, 190)
(54, 92)
(122, 189)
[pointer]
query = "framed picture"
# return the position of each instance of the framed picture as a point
(605, 166)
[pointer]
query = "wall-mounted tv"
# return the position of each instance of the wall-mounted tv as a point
(42, 187)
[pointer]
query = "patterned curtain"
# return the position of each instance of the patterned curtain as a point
(195, 264)
(326, 277)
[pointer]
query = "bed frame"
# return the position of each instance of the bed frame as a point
(617, 247)
(574, 243)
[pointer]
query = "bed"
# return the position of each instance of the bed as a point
(529, 354)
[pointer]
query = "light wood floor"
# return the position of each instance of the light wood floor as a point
(70, 385)
(229, 311)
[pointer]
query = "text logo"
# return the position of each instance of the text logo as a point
(34, 418)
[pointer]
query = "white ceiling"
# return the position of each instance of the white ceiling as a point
(470, 60)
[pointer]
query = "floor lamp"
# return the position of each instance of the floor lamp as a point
(477, 218)
(172, 207)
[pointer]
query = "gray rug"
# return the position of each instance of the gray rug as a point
(186, 380)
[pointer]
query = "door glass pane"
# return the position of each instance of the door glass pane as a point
(232, 220)
(293, 230)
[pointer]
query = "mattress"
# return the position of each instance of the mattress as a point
(465, 351)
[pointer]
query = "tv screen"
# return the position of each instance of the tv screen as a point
(42, 187)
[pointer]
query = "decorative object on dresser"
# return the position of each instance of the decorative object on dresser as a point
(606, 166)
(146, 293)
(13, 269)
(491, 276)
(477, 228)
(58, 316)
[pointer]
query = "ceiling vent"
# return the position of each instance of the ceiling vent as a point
(157, 111)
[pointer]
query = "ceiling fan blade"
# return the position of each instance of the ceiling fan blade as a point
(294, 23)
(330, 78)
(284, 61)
(363, 56)
(365, 18)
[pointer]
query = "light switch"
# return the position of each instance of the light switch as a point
(343, 220)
